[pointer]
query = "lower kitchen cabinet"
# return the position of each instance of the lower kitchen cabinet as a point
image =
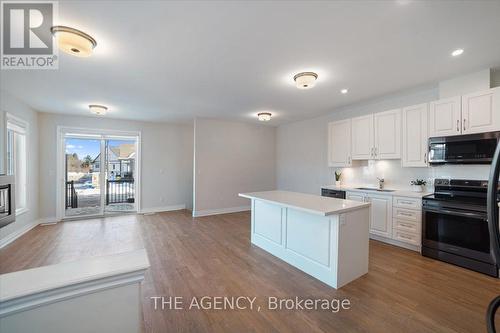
(380, 211)
(393, 219)
(380, 214)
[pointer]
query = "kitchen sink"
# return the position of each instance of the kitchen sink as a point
(373, 189)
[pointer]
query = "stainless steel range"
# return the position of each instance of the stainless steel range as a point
(7, 200)
(455, 225)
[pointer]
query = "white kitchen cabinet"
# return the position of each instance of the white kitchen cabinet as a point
(362, 137)
(481, 111)
(376, 136)
(393, 219)
(380, 214)
(355, 196)
(415, 134)
(387, 134)
(445, 117)
(339, 143)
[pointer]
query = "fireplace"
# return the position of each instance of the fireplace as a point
(7, 200)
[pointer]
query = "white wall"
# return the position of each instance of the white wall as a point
(166, 168)
(301, 161)
(24, 221)
(465, 84)
(231, 157)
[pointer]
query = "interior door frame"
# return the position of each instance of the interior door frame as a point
(92, 133)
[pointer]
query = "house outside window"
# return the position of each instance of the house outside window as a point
(17, 159)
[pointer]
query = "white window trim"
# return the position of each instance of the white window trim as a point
(21, 125)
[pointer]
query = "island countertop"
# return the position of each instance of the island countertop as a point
(310, 203)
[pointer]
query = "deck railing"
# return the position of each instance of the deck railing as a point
(120, 191)
(71, 195)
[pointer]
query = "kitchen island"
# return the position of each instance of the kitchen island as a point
(324, 237)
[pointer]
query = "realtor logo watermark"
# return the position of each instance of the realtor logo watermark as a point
(27, 41)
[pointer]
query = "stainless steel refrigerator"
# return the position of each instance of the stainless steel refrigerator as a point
(494, 231)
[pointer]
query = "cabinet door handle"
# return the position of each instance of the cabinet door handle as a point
(458, 125)
(425, 157)
(464, 124)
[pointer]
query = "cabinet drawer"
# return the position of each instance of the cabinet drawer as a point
(406, 237)
(405, 202)
(408, 226)
(407, 214)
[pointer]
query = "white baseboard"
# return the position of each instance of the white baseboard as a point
(162, 209)
(48, 220)
(207, 212)
(395, 242)
(16, 234)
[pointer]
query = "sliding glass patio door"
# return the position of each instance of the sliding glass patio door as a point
(100, 174)
(83, 188)
(120, 175)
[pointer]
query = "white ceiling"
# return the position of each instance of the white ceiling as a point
(172, 61)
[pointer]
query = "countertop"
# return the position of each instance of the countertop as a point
(396, 192)
(40, 279)
(310, 203)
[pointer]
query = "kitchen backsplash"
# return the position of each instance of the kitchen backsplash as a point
(366, 172)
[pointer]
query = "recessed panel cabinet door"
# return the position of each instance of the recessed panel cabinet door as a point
(415, 129)
(339, 143)
(481, 111)
(380, 215)
(362, 138)
(445, 117)
(355, 196)
(387, 134)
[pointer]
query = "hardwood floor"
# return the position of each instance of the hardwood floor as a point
(212, 256)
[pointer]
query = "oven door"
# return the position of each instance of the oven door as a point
(456, 231)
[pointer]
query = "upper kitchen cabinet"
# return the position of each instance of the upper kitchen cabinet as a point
(362, 138)
(377, 136)
(415, 134)
(478, 112)
(481, 111)
(339, 143)
(387, 134)
(445, 117)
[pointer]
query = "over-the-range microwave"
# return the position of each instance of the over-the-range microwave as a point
(463, 149)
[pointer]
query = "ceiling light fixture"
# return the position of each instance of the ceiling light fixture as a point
(305, 80)
(99, 110)
(264, 116)
(457, 52)
(344, 91)
(73, 41)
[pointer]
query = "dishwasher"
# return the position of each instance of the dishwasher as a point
(326, 192)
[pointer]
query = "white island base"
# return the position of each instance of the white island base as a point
(324, 237)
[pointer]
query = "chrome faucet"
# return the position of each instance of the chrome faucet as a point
(380, 183)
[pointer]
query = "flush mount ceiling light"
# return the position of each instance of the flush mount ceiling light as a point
(264, 116)
(305, 80)
(72, 41)
(457, 52)
(344, 91)
(99, 110)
